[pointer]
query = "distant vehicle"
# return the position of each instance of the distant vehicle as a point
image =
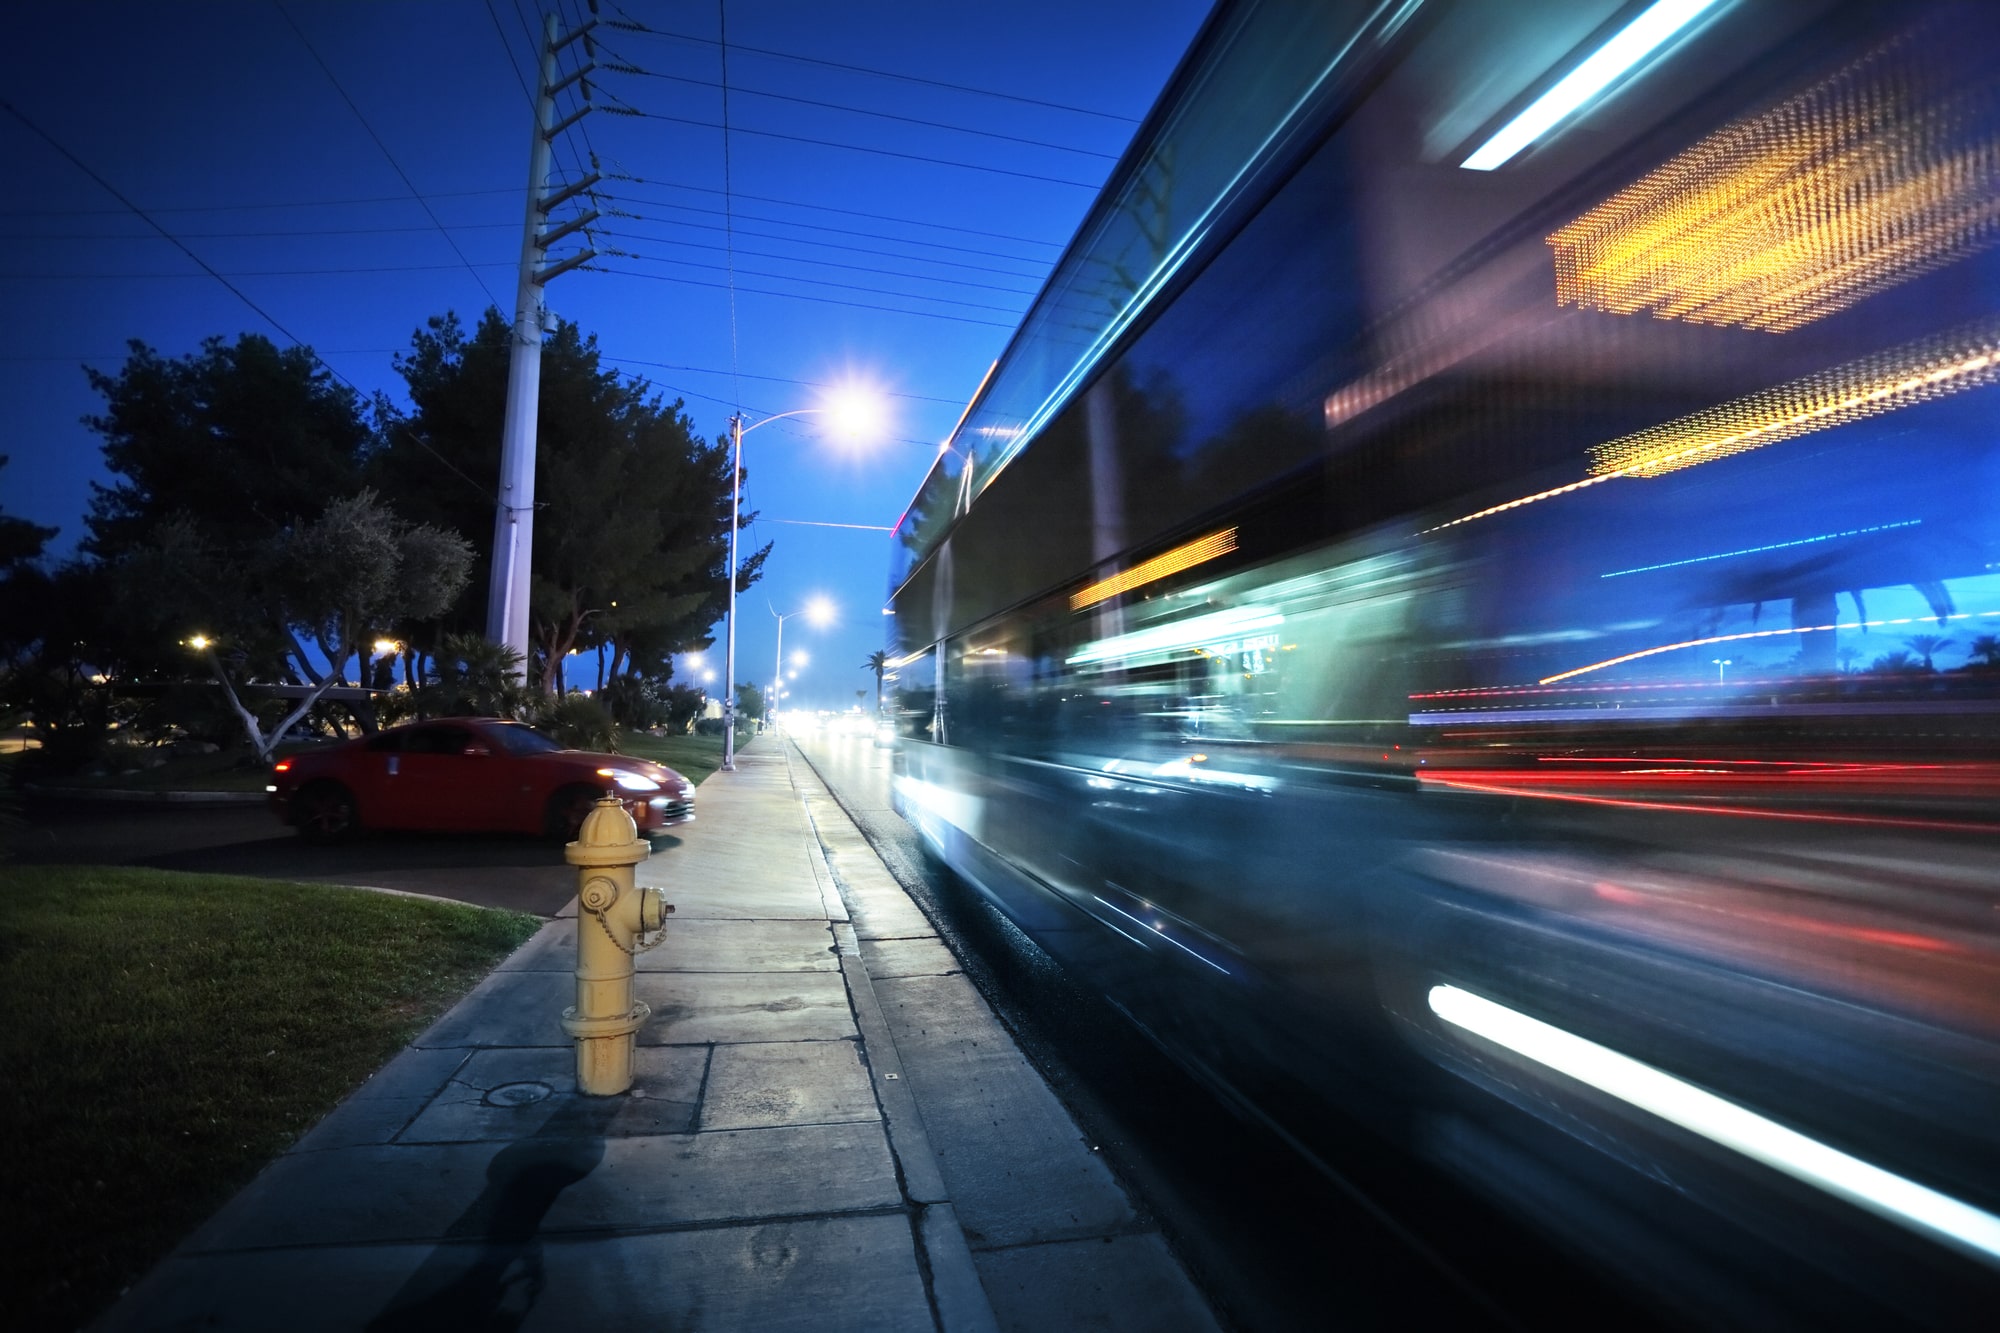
(885, 734)
(853, 724)
(468, 775)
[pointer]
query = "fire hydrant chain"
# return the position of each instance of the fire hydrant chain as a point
(639, 943)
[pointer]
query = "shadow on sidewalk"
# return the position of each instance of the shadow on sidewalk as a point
(487, 1272)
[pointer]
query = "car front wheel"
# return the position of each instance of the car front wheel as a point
(324, 812)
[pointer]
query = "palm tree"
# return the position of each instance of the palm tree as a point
(1927, 646)
(878, 662)
(1986, 648)
(1894, 663)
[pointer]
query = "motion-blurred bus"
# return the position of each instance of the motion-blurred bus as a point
(1472, 601)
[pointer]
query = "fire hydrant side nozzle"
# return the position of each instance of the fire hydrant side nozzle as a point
(613, 920)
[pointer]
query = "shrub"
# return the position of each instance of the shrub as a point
(577, 721)
(473, 677)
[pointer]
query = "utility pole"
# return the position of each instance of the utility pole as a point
(514, 516)
(729, 655)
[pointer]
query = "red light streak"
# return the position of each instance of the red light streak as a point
(1798, 816)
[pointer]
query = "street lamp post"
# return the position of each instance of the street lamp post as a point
(818, 611)
(857, 409)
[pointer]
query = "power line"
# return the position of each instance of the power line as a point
(623, 110)
(864, 111)
(508, 47)
(389, 156)
(632, 25)
(516, 190)
(244, 208)
(729, 239)
(828, 208)
(775, 379)
(829, 245)
(817, 282)
(800, 296)
(535, 45)
(239, 235)
(837, 231)
(248, 273)
(824, 263)
(106, 356)
(620, 360)
(236, 291)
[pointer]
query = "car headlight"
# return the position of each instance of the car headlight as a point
(630, 781)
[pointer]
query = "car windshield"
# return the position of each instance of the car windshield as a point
(522, 740)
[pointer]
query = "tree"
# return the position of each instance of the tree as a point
(22, 581)
(1895, 663)
(339, 577)
(749, 701)
(1928, 646)
(1986, 648)
(878, 662)
(240, 441)
(632, 527)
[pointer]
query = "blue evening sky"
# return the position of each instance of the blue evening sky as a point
(219, 121)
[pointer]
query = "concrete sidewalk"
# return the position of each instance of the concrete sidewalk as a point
(829, 1130)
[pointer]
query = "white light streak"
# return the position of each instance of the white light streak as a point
(1196, 632)
(1883, 1193)
(1639, 39)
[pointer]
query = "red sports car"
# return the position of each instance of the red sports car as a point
(471, 774)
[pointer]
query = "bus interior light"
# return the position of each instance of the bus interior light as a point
(1637, 40)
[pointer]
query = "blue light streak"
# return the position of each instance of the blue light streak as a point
(1753, 550)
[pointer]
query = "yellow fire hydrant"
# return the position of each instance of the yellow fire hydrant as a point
(614, 918)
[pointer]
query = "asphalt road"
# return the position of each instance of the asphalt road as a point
(521, 873)
(1275, 1241)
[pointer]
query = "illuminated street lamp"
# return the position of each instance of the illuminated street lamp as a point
(856, 413)
(818, 612)
(1721, 665)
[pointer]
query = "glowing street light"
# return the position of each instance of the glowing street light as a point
(200, 642)
(856, 413)
(1721, 664)
(819, 613)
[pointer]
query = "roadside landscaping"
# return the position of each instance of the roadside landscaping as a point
(234, 769)
(170, 1033)
(693, 757)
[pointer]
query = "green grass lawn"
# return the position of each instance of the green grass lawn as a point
(693, 757)
(169, 1033)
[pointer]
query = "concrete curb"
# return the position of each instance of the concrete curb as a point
(962, 1304)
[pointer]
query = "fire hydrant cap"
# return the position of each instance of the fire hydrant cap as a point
(608, 837)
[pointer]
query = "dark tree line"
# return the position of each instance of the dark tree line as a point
(265, 527)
